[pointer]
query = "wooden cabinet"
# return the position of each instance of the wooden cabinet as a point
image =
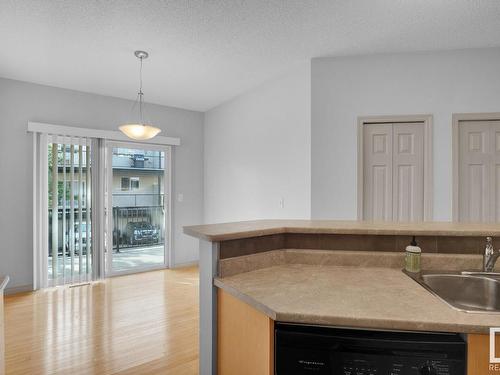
(2, 339)
(245, 338)
(478, 355)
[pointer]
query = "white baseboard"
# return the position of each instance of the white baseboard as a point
(185, 264)
(29, 288)
(18, 289)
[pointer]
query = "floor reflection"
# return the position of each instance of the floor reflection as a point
(132, 324)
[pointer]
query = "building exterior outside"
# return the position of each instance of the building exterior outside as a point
(137, 200)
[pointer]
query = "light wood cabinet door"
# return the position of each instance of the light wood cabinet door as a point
(2, 338)
(245, 338)
(246, 342)
(478, 355)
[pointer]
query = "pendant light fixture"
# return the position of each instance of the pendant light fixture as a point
(140, 130)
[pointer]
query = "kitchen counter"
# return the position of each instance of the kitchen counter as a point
(361, 297)
(259, 228)
(249, 262)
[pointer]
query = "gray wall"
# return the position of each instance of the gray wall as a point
(21, 102)
(257, 152)
(438, 83)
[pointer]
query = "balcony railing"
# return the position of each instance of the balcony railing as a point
(137, 200)
(138, 227)
(127, 208)
(128, 160)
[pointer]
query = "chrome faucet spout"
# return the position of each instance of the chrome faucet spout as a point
(490, 256)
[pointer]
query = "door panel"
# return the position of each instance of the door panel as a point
(377, 154)
(408, 159)
(478, 192)
(495, 179)
(496, 193)
(404, 205)
(380, 186)
(477, 172)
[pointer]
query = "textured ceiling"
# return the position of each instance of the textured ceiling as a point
(206, 52)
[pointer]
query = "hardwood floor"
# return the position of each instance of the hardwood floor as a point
(138, 324)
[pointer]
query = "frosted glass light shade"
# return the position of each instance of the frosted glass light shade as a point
(139, 131)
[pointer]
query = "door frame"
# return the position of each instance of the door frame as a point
(457, 118)
(168, 256)
(427, 119)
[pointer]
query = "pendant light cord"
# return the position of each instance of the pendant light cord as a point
(141, 94)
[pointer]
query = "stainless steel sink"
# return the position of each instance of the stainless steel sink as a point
(465, 292)
(491, 275)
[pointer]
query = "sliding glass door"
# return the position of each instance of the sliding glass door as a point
(138, 220)
(100, 207)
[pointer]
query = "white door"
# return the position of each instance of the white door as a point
(408, 172)
(495, 181)
(479, 171)
(138, 195)
(377, 179)
(393, 172)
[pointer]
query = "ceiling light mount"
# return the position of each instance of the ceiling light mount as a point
(141, 54)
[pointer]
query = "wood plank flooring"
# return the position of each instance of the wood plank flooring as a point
(138, 324)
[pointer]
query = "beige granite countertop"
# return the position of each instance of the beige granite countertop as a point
(363, 297)
(244, 229)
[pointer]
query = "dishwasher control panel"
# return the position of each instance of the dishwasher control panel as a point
(389, 366)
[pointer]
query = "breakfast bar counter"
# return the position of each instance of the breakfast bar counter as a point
(259, 228)
(345, 274)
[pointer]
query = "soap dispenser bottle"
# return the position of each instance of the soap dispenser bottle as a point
(412, 256)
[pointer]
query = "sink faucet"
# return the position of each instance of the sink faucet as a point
(490, 256)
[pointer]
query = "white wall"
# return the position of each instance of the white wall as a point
(440, 83)
(257, 151)
(21, 102)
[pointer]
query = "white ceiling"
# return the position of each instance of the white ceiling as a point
(206, 52)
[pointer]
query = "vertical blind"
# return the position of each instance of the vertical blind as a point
(69, 202)
(69, 198)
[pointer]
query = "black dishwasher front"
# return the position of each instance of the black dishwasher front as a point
(314, 350)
